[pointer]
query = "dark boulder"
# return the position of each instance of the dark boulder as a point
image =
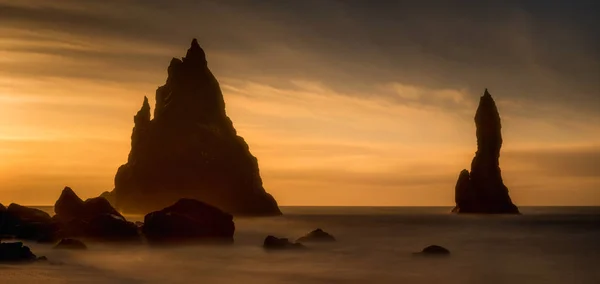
(94, 218)
(26, 223)
(435, 250)
(188, 220)
(275, 243)
(71, 244)
(317, 235)
(28, 214)
(16, 252)
(70, 206)
(189, 149)
(482, 190)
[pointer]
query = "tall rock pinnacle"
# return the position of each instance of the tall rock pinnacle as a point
(189, 149)
(482, 190)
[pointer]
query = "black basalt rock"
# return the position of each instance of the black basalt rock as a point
(483, 190)
(317, 235)
(93, 218)
(275, 243)
(189, 149)
(188, 221)
(16, 252)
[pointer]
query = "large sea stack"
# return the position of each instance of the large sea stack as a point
(189, 149)
(482, 190)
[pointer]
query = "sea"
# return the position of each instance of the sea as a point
(375, 245)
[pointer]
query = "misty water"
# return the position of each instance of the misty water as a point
(545, 245)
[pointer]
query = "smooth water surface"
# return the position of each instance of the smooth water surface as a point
(544, 245)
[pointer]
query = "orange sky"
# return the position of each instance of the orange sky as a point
(331, 122)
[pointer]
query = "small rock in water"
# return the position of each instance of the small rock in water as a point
(435, 250)
(317, 235)
(275, 243)
(70, 244)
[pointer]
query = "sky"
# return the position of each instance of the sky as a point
(360, 103)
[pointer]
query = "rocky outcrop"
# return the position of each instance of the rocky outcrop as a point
(482, 190)
(26, 223)
(70, 206)
(317, 235)
(275, 243)
(17, 252)
(94, 218)
(186, 221)
(189, 149)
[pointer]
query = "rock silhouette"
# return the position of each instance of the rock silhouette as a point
(94, 218)
(482, 190)
(188, 220)
(275, 243)
(17, 252)
(317, 235)
(189, 149)
(435, 250)
(26, 223)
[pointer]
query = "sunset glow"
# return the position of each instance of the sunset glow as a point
(332, 118)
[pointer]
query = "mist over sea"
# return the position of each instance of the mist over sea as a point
(544, 245)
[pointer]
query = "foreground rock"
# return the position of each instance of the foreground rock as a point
(317, 235)
(71, 244)
(275, 243)
(435, 250)
(94, 218)
(26, 223)
(189, 149)
(482, 190)
(188, 220)
(17, 252)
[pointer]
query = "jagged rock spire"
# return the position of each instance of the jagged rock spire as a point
(483, 190)
(189, 149)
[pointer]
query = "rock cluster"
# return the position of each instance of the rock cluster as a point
(482, 190)
(95, 219)
(189, 149)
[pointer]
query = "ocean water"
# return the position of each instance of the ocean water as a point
(545, 245)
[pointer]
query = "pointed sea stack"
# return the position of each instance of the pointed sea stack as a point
(482, 190)
(189, 149)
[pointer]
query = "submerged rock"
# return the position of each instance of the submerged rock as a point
(482, 190)
(317, 235)
(189, 149)
(435, 250)
(94, 218)
(71, 244)
(275, 243)
(188, 220)
(16, 252)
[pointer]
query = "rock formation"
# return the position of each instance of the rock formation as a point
(275, 243)
(26, 223)
(482, 190)
(17, 252)
(317, 235)
(94, 218)
(188, 220)
(189, 149)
